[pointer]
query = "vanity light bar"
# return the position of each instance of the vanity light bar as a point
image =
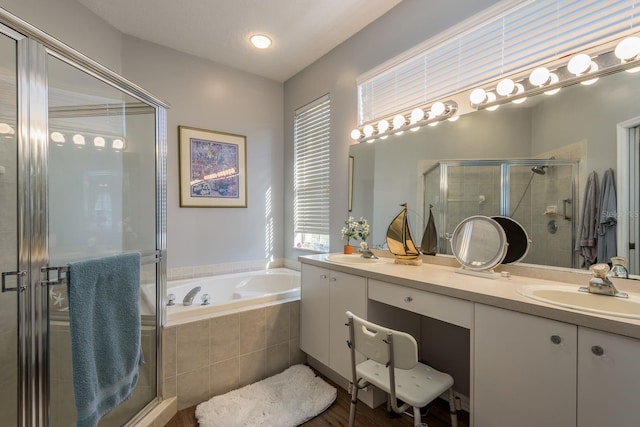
(581, 68)
(81, 140)
(413, 120)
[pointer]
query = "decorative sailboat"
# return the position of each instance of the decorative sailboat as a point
(429, 245)
(399, 240)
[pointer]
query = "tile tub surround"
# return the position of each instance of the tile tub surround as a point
(210, 357)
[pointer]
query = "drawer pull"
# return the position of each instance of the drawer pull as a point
(556, 339)
(597, 350)
(408, 299)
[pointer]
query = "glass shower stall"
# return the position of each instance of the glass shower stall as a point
(82, 175)
(538, 193)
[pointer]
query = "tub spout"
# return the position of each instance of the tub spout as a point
(188, 299)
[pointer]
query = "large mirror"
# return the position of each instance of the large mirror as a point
(576, 125)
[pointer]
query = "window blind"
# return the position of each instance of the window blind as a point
(311, 169)
(527, 34)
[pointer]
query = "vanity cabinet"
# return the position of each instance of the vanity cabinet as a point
(325, 296)
(524, 370)
(608, 379)
(532, 371)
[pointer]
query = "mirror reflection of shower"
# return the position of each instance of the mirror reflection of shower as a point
(533, 192)
(537, 170)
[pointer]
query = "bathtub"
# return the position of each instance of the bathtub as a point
(232, 293)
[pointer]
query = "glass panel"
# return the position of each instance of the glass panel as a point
(541, 201)
(8, 232)
(471, 190)
(102, 199)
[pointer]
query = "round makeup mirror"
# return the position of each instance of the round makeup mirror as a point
(517, 239)
(479, 243)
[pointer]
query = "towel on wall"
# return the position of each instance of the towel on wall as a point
(586, 243)
(607, 219)
(104, 318)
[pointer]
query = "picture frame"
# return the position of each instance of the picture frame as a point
(213, 168)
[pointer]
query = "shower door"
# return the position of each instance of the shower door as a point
(10, 235)
(82, 175)
(102, 200)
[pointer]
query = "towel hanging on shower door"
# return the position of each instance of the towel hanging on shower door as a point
(607, 219)
(586, 240)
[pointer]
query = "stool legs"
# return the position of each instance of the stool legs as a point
(452, 408)
(354, 402)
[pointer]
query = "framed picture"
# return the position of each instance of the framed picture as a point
(213, 169)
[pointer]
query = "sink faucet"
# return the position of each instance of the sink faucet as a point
(600, 283)
(188, 299)
(366, 252)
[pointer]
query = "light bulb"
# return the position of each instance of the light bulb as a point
(367, 130)
(355, 134)
(579, 64)
(539, 76)
(594, 68)
(260, 41)
(98, 142)
(5, 129)
(478, 96)
(438, 109)
(505, 87)
(398, 121)
(78, 139)
(118, 144)
(453, 118)
(383, 126)
(57, 137)
(519, 91)
(490, 98)
(553, 78)
(628, 49)
(416, 115)
(433, 124)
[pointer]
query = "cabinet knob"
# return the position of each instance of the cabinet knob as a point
(333, 279)
(408, 299)
(556, 339)
(597, 350)
(323, 276)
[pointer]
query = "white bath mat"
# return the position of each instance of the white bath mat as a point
(287, 399)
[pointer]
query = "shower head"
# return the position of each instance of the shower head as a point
(539, 170)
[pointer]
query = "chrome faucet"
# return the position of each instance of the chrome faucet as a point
(366, 251)
(600, 283)
(188, 299)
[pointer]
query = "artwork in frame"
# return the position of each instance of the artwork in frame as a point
(213, 169)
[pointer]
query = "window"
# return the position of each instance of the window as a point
(311, 175)
(492, 44)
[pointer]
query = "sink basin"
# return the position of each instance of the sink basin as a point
(570, 297)
(352, 259)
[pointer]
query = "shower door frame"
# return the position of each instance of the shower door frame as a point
(33, 46)
(505, 199)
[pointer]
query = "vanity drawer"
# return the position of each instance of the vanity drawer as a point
(451, 310)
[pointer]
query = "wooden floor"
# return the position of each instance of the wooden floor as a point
(338, 415)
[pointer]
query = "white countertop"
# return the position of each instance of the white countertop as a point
(502, 292)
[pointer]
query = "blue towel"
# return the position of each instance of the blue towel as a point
(104, 317)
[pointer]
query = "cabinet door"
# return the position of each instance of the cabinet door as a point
(314, 313)
(608, 379)
(524, 371)
(348, 293)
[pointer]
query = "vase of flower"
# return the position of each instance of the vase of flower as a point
(354, 230)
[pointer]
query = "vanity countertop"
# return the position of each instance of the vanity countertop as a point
(502, 292)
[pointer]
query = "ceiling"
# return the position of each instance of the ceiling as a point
(302, 30)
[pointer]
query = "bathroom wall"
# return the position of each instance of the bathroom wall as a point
(406, 25)
(207, 95)
(73, 24)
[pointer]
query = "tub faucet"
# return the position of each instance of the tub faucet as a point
(188, 299)
(600, 283)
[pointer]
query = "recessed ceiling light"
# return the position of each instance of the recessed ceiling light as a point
(260, 41)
